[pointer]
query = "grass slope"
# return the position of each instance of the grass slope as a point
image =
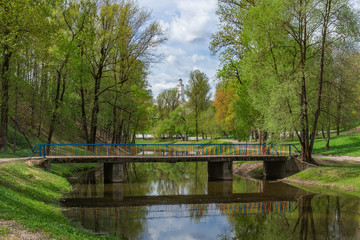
(342, 177)
(342, 145)
(30, 196)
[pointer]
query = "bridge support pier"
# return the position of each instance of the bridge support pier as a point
(114, 172)
(280, 169)
(220, 170)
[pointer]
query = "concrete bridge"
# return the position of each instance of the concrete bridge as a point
(278, 159)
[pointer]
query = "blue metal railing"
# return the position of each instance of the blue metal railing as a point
(44, 150)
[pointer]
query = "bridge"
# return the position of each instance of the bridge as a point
(219, 157)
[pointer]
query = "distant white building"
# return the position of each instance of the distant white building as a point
(181, 91)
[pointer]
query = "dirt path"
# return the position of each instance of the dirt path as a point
(9, 160)
(12, 230)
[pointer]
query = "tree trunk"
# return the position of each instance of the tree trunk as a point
(83, 114)
(57, 100)
(16, 111)
(196, 123)
(326, 19)
(96, 108)
(338, 118)
(327, 146)
(5, 96)
(322, 132)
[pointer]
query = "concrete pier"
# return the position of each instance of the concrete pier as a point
(114, 172)
(220, 170)
(283, 168)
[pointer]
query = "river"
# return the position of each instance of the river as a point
(176, 201)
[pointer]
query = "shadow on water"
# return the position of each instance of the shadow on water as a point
(175, 201)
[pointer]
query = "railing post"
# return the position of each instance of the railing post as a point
(44, 152)
(289, 149)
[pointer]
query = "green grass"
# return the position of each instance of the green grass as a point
(342, 145)
(10, 155)
(343, 177)
(30, 196)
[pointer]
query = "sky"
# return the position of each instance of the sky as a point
(189, 25)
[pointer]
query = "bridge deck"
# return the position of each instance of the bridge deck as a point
(167, 159)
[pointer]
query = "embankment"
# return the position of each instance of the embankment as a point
(29, 205)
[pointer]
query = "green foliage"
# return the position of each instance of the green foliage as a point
(167, 101)
(288, 81)
(198, 92)
(77, 70)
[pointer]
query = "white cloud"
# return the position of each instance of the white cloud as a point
(190, 25)
(196, 58)
(195, 20)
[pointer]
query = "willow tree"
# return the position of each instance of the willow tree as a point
(281, 51)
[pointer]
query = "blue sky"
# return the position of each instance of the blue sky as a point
(189, 25)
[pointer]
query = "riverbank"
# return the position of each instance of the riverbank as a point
(29, 205)
(336, 173)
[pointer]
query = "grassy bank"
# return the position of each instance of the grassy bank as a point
(342, 177)
(30, 196)
(342, 145)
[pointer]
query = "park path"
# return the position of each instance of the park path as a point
(9, 160)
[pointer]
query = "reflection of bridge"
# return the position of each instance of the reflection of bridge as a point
(175, 200)
(175, 211)
(218, 156)
(218, 193)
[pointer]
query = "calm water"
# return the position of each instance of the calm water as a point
(175, 201)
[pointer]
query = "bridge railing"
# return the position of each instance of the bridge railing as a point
(46, 150)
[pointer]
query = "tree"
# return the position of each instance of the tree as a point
(167, 101)
(280, 50)
(225, 108)
(19, 21)
(198, 92)
(118, 48)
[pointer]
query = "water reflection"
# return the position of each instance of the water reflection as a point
(175, 201)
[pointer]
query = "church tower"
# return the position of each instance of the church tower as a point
(181, 91)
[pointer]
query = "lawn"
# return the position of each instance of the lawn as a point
(342, 145)
(30, 196)
(339, 176)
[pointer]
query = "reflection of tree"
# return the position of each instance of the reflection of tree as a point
(327, 217)
(305, 214)
(197, 211)
(337, 222)
(87, 185)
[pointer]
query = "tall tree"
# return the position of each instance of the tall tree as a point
(198, 92)
(280, 48)
(167, 101)
(122, 40)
